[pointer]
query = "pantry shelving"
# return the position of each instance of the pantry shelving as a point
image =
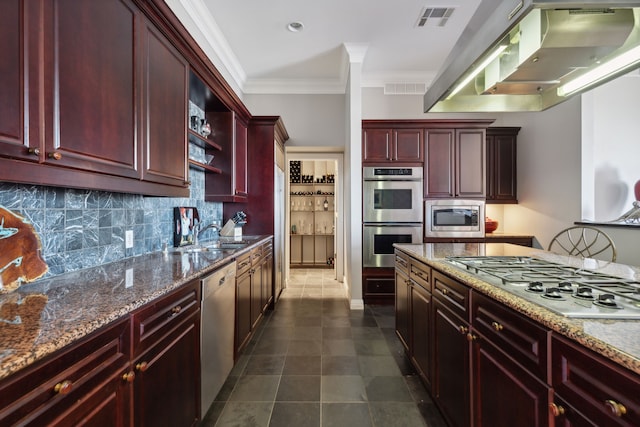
(312, 213)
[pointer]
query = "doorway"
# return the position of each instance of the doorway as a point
(314, 225)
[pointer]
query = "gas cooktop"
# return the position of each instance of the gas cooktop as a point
(569, 291)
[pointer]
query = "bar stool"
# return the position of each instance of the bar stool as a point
(584, 241)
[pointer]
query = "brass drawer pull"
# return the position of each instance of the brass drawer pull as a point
(471, 337)
(175, 310)
(556, 410)
(34, 151)
(63, 387)
(129, 376)
(497, 326)
(142, 366)
(615, 408)
(444, 291)
(463, 329)
(56, 155)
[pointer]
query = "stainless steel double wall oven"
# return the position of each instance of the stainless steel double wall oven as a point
(391, 211)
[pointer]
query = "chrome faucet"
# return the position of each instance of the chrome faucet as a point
(198, 231)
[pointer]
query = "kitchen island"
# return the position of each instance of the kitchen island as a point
(476, 344)
(80, 347)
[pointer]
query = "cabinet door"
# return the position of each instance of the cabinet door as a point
(408, 145)
(18, 127)
(267, 281)
(439, 163)
(504, 393)
(256, 295)
(501, 168)
(164, 129)
(167, 383)
(79, 385)
(91, 84)
(451, 366)
(421, 324)
(470, 163)
(403, 285)
(240, 155)
(243, 310)
(602, 391)
(376, 145)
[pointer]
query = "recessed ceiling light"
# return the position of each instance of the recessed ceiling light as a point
(295, 27)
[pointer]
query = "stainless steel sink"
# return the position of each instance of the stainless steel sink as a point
(227, 245)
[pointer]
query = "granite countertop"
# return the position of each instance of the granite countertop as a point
(47, 315)
(618, 340)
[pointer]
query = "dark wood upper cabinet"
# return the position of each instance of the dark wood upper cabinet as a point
(376, 145)
(502, 183)
(164, 143)
(391, 145)
(455, 164)
(439, 163)
(15, 85)
(240, 158)
(90, 77)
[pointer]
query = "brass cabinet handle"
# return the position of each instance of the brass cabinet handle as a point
(34, 151)
(471, 337)
(175, 310)
(129, 376)
(56, 155)
(463, 329)
(63, 387)
(497, 326)
(444, 291)
(556, 410)
(142, 366)
(615, 408)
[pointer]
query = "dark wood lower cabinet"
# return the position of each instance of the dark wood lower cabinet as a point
(421, 335)
(254, 292)
(403, 286)
(505, 394)
(167, 383)
(81, 385)
(451, 363)
(600, 391)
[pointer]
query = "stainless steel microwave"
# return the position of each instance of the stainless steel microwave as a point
(454, 218)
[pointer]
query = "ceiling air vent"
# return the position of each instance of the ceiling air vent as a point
(435, 16)
(405, 88)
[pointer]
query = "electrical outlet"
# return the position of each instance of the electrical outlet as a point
(128, 278)
(128, 239)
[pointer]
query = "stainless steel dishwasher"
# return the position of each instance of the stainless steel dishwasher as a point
(216, 332)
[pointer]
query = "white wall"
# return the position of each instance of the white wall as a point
(311, 120)
(611, 127)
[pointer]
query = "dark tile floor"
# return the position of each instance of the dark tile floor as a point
(314, 362)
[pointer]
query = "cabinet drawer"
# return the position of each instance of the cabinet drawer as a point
(452, 293)
(520, 338)
(402, 262)
(256, 255)
(84, 372)
(594, 386)
(243, 263)
(420, 274)
(380, 285)
(156, 319)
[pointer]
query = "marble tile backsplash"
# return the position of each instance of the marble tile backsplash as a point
(84, 228)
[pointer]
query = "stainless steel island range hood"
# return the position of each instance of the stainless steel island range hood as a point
(529, 55)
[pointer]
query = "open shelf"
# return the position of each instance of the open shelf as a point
(201, 141)
(201, 166)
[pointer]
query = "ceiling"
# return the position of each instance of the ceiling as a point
(251, 39)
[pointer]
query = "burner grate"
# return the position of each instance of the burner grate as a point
(518, 273)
